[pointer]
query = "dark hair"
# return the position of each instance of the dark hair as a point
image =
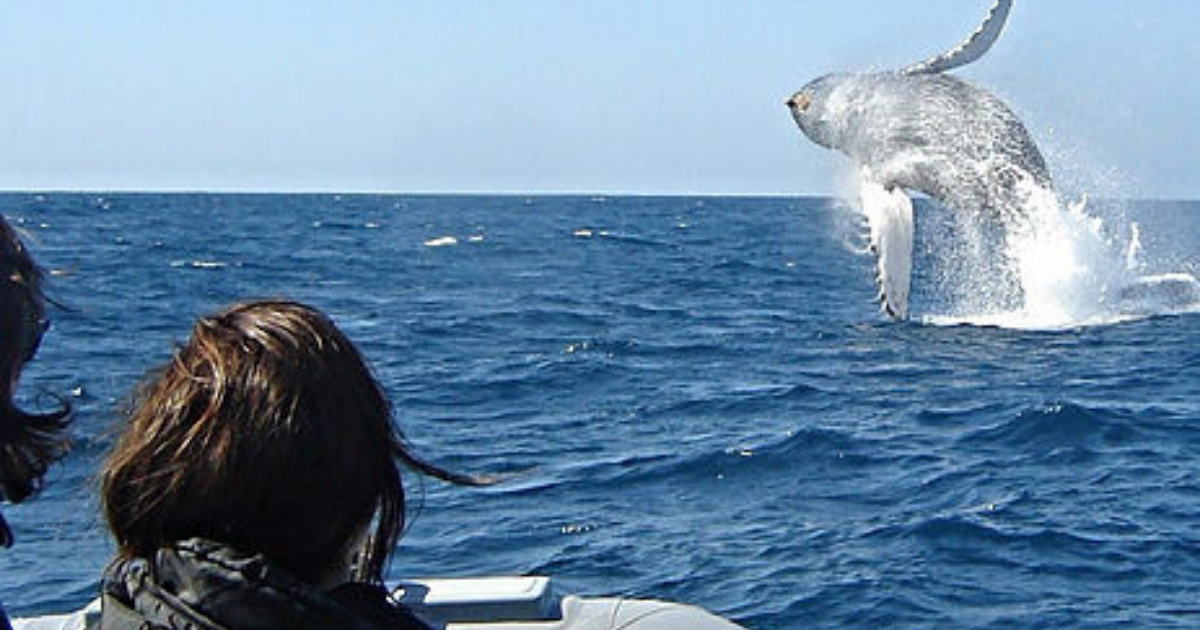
(266, 431)
(29, 443)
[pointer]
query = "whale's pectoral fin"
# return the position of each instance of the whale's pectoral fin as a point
(973, 48)
(889, 213)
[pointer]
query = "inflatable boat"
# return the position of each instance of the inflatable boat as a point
(497, 603)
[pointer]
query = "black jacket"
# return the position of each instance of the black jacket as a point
(203, 585)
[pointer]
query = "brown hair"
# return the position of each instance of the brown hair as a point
(268, 432)
(29, 443)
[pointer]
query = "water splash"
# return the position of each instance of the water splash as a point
(1055, 266)
(1066, 264)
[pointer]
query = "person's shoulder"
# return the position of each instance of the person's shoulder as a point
(373, 605)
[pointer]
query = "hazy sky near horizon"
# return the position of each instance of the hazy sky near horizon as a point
(647, 96)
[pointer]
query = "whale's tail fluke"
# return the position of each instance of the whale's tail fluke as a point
(972, 48)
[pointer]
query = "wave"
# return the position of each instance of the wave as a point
(621, 238)
(802, 454)
(1055, 429)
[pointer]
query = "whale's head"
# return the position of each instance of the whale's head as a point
(815, 111)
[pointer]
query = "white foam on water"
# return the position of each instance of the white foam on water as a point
(441, 241)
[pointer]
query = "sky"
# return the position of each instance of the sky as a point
(556, 96)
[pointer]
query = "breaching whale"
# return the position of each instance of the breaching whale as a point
(921, 130)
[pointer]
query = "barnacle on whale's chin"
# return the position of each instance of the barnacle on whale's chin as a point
(800, 102)
(810, 121)
(818, 110)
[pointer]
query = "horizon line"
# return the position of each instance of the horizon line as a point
(479, 193)
(412, 193)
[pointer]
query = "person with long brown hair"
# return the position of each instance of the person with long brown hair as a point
(29, 442)
(243, 487)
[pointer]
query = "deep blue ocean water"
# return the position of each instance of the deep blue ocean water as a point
(698, 397)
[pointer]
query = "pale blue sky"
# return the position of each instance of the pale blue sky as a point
(672, 96)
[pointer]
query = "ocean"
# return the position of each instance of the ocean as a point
(693, 398)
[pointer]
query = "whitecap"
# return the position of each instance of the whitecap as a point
(441, 241)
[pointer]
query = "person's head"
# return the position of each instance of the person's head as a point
(28, 442)
(266, 431)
